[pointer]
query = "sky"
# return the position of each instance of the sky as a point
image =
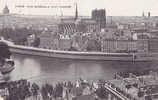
(113, 7)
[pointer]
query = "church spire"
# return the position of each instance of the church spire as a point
(143, 15)
(76, 13)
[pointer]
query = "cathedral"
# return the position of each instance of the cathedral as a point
(77, 24)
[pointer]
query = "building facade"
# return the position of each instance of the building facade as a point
(131, 86)
(110, 45)
(49, 40)
(153, 45)
(99, 15)
(64, 44)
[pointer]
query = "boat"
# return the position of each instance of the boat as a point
(5, 70)
(7, 67)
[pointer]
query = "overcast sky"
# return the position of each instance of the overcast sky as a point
(113, 7)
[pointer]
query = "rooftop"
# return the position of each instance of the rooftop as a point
(138, 87)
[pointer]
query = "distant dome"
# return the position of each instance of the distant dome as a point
(6, 10)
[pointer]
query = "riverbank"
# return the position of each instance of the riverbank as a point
(103, 56)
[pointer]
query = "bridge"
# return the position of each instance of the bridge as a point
(117, 95)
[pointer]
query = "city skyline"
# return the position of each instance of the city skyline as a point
(113, 7)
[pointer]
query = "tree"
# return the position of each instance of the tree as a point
(102, 93)
(93, 45)
(36, 43)
(128, 87)
(140, 93)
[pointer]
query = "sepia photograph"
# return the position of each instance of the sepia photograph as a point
(78, 50)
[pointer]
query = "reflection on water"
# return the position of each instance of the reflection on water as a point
(43, 69)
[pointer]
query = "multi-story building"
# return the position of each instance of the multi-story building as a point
(153, 45)
(46, 40)
(142, 45)
(133, 86)
(49, 40)
(65, 43)
(110, 45)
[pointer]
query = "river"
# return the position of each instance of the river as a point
(43, 69)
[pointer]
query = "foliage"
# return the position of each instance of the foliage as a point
(36, 43)
(101, 92)
(93, 45)
(18, 35)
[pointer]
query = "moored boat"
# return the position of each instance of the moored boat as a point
(7, 67)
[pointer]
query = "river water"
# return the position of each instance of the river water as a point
(43, 69)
